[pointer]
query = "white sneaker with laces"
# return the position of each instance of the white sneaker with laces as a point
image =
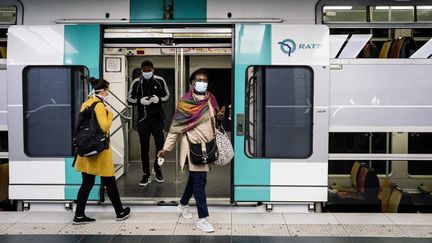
(185, 211)
(204, 225)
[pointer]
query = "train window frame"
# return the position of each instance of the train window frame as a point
(74, 106)
(248, 138)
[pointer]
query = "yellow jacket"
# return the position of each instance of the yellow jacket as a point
(102, 163)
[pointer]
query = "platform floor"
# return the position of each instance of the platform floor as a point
(231, 226)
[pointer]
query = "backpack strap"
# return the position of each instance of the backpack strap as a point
(75, 159)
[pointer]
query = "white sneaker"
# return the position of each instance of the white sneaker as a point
(185, 211)
(204, 225)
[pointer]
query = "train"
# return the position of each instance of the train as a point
(322, 96)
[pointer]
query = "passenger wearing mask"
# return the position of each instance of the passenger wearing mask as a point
(100, 164)
(148, 92)
(194, 122)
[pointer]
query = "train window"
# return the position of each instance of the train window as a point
(424, 13)
(8, 15)
(358, 143)
(420, 143)
(52, 96)
(4, 141)
(392, 14)
(279, 101)
(380, 12)
(334, 14)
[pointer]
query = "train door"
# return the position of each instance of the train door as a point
(281, 113)
(175, 63)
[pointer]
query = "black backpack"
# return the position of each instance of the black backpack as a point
(89, 139)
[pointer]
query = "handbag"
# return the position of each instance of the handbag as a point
(224, 146)
(203, 153)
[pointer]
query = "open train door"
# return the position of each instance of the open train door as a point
(281, 113)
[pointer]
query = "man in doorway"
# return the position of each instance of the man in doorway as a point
(148, 92)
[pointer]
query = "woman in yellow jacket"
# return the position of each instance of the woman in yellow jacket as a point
(100, 164)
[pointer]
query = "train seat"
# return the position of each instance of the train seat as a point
(367, 185)
(365, 199)
(385, 50)
(400, 202)
(402, 47)
(353, 188)
(369, 51)
(385, 193)
(425, 189)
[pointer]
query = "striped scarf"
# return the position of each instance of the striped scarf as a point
(190, 112)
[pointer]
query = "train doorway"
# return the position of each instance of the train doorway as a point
(175, 65)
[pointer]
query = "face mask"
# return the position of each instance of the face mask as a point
(201, 86)
(147, 75)
(106, 97)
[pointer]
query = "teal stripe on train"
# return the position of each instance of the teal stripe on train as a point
(81, 47)
(252, 47)
(142, 11)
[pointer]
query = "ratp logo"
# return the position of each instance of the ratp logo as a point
(288, 46)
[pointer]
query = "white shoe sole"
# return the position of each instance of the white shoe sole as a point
(127, 216)
(158, 181)
(145, 184)
(207, 231)
(82, 223)
(185, 216)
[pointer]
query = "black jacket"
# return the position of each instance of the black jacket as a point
(140, 88)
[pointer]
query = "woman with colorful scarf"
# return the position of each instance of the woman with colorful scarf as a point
(194, 122)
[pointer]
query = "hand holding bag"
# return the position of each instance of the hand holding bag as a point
(224, 146)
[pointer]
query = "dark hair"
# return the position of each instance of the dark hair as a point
(98, 84)
(147, 63)
(197, 72)
(136, 73)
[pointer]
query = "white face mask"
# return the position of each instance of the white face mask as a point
(147, 75)
(106, 97)
(201, 86)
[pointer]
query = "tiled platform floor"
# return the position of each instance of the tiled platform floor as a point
(404, 226)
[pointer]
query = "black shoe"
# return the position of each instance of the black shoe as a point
(146, 179)
(158, 175)
(83, 220)
(123, 215)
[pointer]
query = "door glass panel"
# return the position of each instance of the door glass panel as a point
(279, 111)
(52, 100)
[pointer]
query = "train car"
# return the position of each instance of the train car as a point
(328, 101)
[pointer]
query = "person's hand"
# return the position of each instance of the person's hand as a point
(154, 99)
(220, 115)
(145, 101)
(161, 153)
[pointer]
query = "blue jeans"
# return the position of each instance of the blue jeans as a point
(196, 185)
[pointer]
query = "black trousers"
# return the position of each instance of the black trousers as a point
(195, 186)
(152, 125)
(86, 186)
